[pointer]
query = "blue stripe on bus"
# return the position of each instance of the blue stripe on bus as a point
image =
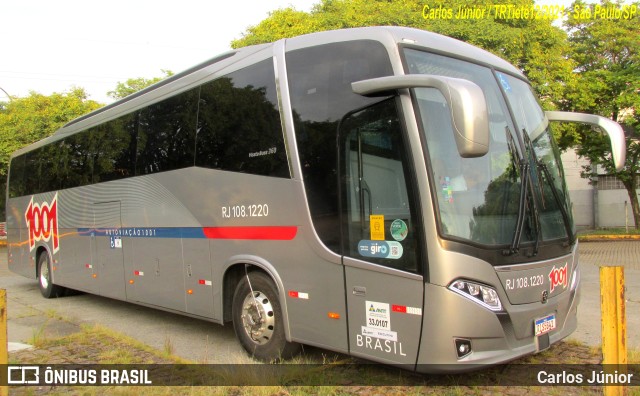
(145, 232)
(263, 233)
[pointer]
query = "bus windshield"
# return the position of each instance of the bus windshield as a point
(548, 178)
(482, 200)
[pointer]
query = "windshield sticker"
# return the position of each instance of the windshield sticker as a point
(399, 230)
(378, 315)
(504, 82)
(447, 191)
(377, 227)
(380, 249)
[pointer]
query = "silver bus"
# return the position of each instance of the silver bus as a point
(383, 192)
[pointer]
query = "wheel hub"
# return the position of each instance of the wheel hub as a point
(258, 317)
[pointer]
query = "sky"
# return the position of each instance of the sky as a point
(50, 46)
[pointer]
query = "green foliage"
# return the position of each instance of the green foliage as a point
(536, 47)
(133, 85)
(26, 120)
(607, 54)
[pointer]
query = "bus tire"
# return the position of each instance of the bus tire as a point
(258, 321)
(47, 288)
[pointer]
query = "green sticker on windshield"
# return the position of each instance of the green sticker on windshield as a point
(399, 230)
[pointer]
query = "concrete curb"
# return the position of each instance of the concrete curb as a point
(608, 238)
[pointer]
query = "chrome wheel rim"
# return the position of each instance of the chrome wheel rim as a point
(258, 318)
(44, 275)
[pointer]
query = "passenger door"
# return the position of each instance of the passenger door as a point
(108, 262)
(380, 236)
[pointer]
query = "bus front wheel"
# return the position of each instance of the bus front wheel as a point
(47, 288)
(258, 320)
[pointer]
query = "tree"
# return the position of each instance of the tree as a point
(26, 120)
(607, 52)
(133, 85)
(535, 46)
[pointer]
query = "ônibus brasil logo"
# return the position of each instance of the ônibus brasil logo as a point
(558, 277)
(42, 222)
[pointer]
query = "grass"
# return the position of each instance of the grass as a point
(610, 231)
(38, 338)
(168, 346)
(633, 356)
(344, 375)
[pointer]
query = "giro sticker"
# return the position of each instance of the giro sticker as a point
(42, 222)
(380, 249)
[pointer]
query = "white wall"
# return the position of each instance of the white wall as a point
(580, 190)
(612, 208)
(611, 203)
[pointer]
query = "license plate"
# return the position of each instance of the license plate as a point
(545, 325)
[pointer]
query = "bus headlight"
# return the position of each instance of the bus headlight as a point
(481, 294)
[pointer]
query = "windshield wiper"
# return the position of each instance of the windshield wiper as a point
(541, 166)
(526, 206)
(523, 167)
(522, 207)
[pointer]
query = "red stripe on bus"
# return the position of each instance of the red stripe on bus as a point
(266, 233)
(399, 308)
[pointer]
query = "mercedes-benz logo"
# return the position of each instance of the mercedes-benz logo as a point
(545, 297)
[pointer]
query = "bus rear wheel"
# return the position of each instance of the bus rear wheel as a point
(258, 321)
(47, 288)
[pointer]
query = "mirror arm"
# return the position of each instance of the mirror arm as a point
(611, 128)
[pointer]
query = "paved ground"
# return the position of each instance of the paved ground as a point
(625, 253)
(29, 314)
(592, 256)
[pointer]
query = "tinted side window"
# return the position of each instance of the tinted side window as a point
(51, 170)
(320, 83)
(115, 149)
(239, 125)
(16, 177)
(166, 134)
(77, 157)
(32, 171)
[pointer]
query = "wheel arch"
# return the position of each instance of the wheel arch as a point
(234, 270)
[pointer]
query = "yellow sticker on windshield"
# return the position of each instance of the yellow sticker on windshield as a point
(377, 227)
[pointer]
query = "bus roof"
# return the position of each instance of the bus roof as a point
(421, 39)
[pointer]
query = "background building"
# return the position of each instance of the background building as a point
(605, 204)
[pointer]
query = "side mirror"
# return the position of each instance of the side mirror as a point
(611, 128)
(466, 100)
